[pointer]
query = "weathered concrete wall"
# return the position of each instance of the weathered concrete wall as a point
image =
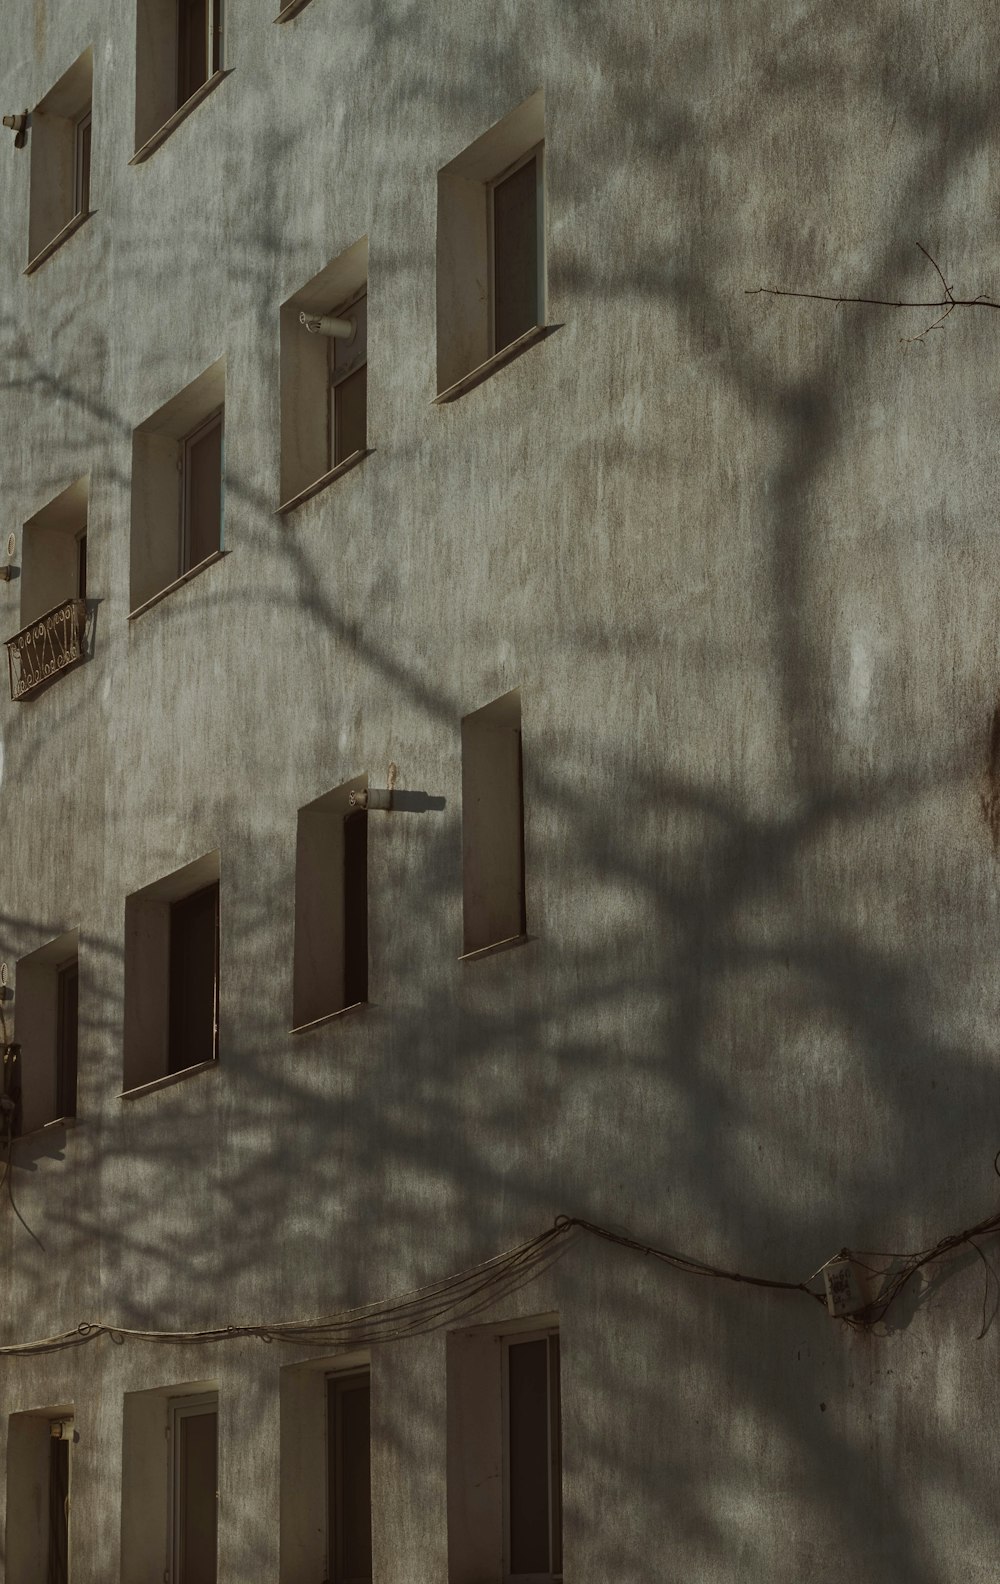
(739, 557)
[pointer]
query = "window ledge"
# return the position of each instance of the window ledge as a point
(496, 946)
(185, 577)
(291, 9)
(167, 1079)
(46, 1127)
(328, 1017)
(180, 114)
(484, 370)
(323, 480)
(68, 230)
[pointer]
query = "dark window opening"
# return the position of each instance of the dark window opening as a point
(349, 1501)
(81, 566)
(57, 1570)
(194, 980)
(534, 1458)
(349, 384)
(516, 306)
(67, 1037)
(201, 509)
(355, 908)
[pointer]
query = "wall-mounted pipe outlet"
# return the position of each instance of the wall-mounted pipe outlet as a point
(372, 798)
(327, 325)
(18, 124)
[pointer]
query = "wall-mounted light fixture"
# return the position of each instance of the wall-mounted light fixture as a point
(328, 325)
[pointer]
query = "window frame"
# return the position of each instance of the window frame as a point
(66, 1088)
(82, 149)
(214, 41)
(537, 153)
(179, 1408)
(64, 1438)
(338, 377)
(549, 1334)
(215, 887)
(215, 420)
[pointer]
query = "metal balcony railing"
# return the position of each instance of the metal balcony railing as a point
(46, 647)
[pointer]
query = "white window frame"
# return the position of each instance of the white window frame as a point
(515, 1339)
(216, 418)
(81, 178)
(182, 1408)
(541, 305)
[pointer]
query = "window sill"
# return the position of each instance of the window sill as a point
(185, 577)
(484, 370)
(167, 1079)
(180, 114)
(291, 9)
(46, 1127)
(496, 946)
(68, 230)
(328, 1017)
(323, 480)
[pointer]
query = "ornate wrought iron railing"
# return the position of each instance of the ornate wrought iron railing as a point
(46, 647)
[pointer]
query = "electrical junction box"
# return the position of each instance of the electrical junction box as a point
(845, 1287)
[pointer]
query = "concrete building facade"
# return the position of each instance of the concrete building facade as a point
(401, 364)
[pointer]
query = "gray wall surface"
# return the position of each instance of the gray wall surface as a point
(738, 554)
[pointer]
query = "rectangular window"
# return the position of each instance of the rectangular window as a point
(59, 158)
(349, 1500)
(67, 1036)
(194, 1482)
(491, 270)
(493, 825)
(532, 1458)
(199, 44)
(331, 907)
(201, 515)
(516, 250)
(194, 979)
(349, 383)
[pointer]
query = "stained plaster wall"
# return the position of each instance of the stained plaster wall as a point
(738, 555)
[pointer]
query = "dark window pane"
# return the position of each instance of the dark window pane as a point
(196, 1516)
(203, 494)
(192, 46)
(515, 255)
(57, 1570)
(81, 567)
(194, 979)
(528, 1455)
(555, 1453)
(67, 1023)
(350, 409)
(349, 1464)
(355, 908)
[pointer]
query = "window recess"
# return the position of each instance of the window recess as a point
(178, 489)
(46, 1008)
(180, 59)
(172, 941)
(60, 140)
(39, 1495)
(331, 907)
(193, 1496)
(491, 227)
(505, 1455)
(53, 586)
(324, 377)
(170, 1485)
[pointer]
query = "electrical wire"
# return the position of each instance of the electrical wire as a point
(466, 1293)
